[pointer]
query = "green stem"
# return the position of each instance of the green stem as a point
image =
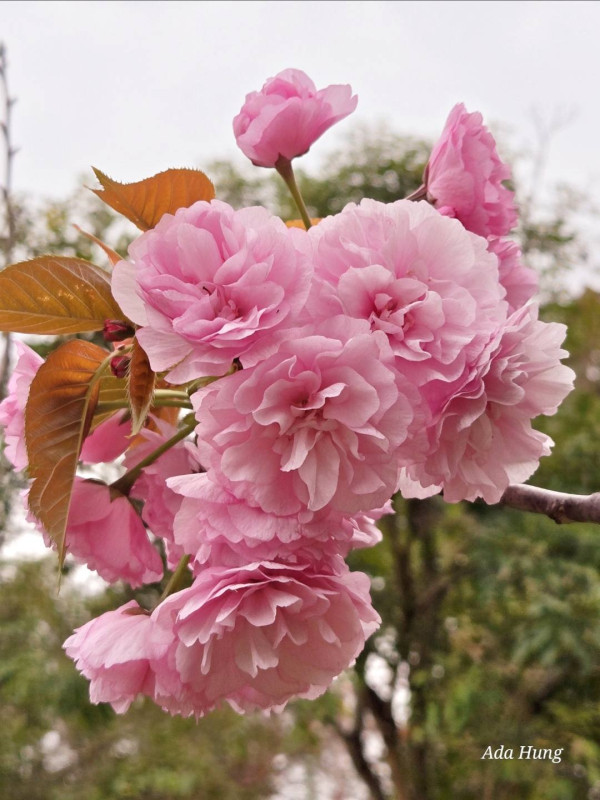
(176, 578)
(125, 482)
(171, 394)
(169, 403)
(284, 168)
(110, 405)
(115, 405)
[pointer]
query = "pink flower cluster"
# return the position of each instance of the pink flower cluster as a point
(389, 348)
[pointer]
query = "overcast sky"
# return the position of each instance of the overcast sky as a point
(136, 87)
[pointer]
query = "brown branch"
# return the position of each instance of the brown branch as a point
(399, 536)
(353, 742)
(559, 506)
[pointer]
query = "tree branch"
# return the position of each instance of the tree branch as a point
(559, 506)
(352, 740)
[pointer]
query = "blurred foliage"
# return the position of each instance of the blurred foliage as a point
(54, 745)
(50, 226)
(491, 618)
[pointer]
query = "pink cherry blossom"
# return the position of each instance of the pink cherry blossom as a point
(320, 423)
(258, 635)
(464, 176)
(216, 527)
(106, 533)
(113, 651)
(520, 282)
(108, 441)
(208, 283)
(287, 116)
(160, 502)
(12, 408)
(483, 440)
(428, 284)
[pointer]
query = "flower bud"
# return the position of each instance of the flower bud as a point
(117, 330)
(119, 366)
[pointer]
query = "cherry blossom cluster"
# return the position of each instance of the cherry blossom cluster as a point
(388, 348)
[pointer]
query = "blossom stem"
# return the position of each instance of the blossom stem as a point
(171, 403)
(176, 578)
(115, 405)
(284, 168)
(174, 394)
(126, 481)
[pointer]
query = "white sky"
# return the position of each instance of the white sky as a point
(136, 87)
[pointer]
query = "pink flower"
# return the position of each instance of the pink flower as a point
(287, 116)
(12, 408)
(208, 284)
(113, 652)
(106, 533)
(483, 440)
(321, 423)
(420, 278)
(217, 528)
(520, 282)
(161, 503)
(464, 176)
(108, 441)
(258, 635)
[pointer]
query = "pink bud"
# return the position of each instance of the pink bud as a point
(287, 116)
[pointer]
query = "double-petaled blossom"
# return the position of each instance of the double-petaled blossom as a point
(105, 532)
(420, 278)
(519, 281)
(12, 408)
(208, 284)
(257, 635)
(254, 636)
(320, 423)
(113, 651)
(216, 527)
(287, 116)
(483, 439)
(464, 176)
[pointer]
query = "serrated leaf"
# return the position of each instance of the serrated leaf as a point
(58, 414)
(113, 256)
(140, 387)
(145, 202)
(55, 295)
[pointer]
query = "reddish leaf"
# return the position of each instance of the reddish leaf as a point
(55, 295)
(146, 201)
(140, 387)
(59, 411)
(113, 256)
